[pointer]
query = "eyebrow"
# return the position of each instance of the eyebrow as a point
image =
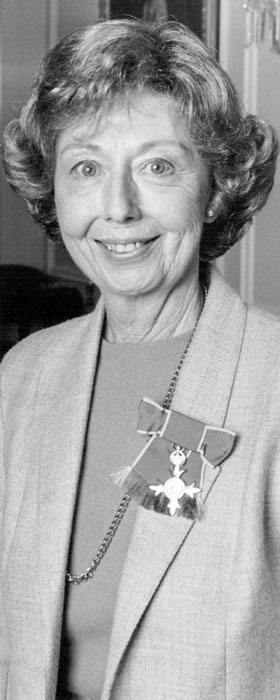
(146, 146)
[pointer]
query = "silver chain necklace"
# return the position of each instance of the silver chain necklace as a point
(117, 519)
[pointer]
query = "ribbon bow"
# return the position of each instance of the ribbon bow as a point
(168, 473)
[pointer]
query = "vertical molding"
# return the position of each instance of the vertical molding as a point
(52, 23)
(104, 9)
(1, 123)
(210, 24)
(155, 10)
(247, 266)
(242, 65)
(247, 248)
(1, 62)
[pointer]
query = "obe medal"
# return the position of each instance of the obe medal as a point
(175, 488)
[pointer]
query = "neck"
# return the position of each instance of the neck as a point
(146, 319)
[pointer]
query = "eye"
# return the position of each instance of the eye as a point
(160, 166)
(87, 168)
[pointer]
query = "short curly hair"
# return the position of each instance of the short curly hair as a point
(94, 64)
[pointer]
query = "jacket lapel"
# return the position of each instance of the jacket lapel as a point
(63, 423)
(203, 394)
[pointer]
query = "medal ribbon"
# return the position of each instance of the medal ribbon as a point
(202, 443)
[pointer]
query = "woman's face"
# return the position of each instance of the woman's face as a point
(131, 196)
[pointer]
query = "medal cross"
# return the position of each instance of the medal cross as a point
(175, 488)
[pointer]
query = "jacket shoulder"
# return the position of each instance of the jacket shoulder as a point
(259, 316)
(263, 329)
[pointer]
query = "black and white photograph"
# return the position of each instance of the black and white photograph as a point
(139, 350)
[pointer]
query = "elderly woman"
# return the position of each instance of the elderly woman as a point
(141, 442)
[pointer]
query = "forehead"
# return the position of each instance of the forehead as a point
(134, 118)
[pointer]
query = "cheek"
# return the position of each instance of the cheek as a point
(70, 216)
(185, 221)
(178, 209)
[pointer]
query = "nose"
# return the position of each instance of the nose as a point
(120, 199)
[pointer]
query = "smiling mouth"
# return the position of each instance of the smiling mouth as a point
(125, 248)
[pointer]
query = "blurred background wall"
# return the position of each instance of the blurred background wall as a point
(250, 52)
(29, 27)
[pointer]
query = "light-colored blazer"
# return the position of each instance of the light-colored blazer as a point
(198, 610)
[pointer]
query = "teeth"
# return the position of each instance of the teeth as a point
(124, 247)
